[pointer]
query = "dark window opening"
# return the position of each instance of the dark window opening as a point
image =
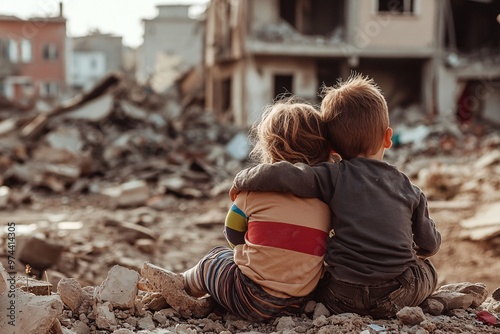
(226, 95)
(328, 74)
(396, 6)
(472, 27)
(283, 86)
(313, 17)
(4, 49)
(288, 11)
(403, 87)
(49, 52)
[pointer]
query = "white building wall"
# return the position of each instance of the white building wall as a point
(171, 33)
(88, 68)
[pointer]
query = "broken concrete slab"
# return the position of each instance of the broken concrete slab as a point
(453, 300)
(484, 225)
(5, 194)
(7, 126)
(44, 153)
(65, 138)
(34, 286)
(131, 193)
(176, 184)
(130, 232)
(489, 159)
(119, 288)
(477, 290)
(70, 291)
(30, 249)
(105, 317)
(154, 301)
(95, 110)
(133, 111)
(35, 314)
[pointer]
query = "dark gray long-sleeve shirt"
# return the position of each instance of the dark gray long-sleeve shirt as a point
(379, 218)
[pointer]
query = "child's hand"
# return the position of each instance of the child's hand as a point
(233, 192)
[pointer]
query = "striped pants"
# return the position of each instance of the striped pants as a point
(218, 275)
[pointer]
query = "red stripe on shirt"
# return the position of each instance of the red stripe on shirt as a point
(288, 236)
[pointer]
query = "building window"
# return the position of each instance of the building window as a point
(93, 63)
(226, 95)
(49, 89)
(4, 49)
(283, 86)
(396, 6)
(12, 51)
(26, 51)
(49, 52)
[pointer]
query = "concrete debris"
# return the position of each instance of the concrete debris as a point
(70, 291)
(30, 249)
(456, 296)
(130, 232)
(132, 193)
(119, 288)
(35, 314)
(115, 130)
(5, 194)
(485, 225)
(34, 286)
(105, 317)
(476, 290)
(108, 315)
(410, 315)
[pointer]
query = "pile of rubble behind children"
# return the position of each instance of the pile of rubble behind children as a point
(120, 139)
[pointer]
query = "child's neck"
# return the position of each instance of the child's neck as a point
(379, 155)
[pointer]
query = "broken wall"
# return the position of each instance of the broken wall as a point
(262, 13)
(260, 76)
(473, 26)
(447, 91)
(399, 79)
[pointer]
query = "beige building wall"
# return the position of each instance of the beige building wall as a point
(262, 13)
(260, 82)
(373, 30)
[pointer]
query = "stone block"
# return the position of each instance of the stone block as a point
(119, 288)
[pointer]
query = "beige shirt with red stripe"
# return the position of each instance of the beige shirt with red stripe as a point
(285, 264)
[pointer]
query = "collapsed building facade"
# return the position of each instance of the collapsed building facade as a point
(423, 54)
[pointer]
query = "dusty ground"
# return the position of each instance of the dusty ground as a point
(185, 229)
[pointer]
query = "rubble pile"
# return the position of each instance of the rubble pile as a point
(121, 140)
(457, 167)
(118, 306)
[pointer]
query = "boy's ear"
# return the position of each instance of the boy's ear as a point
(388, 138)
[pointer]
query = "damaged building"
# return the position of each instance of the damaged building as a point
(417, 51)
(472, 40)
(32, 58)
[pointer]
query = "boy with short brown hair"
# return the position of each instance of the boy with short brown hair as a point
(381, 229)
